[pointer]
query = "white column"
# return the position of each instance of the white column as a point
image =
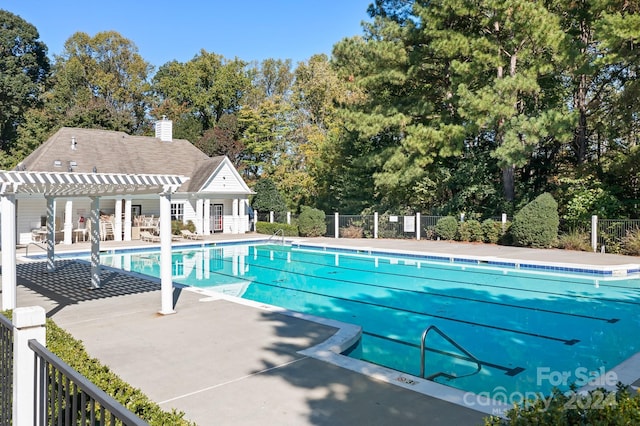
(166, 281)
(271, 217)
(594, 232)
(28, 323)
(206, 216)
(117, 226)
(375, 225)
(51, 233)
(127, 219)
(8, 229)
(68, 222)
(94, 216)
(199, 215)
(336, 225)
(504, 222)
(235, 208)
(243, 217)
(418, 226)
(288, 218)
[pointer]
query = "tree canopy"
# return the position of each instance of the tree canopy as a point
(24, 68)
(442, 107)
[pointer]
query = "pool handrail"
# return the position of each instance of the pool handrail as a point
(275, 234)
(456, 345)
(39, 245)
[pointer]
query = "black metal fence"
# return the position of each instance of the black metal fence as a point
(612, 232)
(353, 226)
(64, 397)
(6, 371)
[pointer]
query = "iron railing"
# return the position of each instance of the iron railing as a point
(355, 226)
(64, 397)
(611, 232)
(6, 371)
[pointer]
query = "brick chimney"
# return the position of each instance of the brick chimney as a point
(164, 129)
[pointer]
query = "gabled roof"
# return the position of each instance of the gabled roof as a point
(104, 151)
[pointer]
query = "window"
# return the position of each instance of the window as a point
(177, 211)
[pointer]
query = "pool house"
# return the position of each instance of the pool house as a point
(214, 196)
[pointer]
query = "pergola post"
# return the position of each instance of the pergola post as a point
(127, 219)
(8, 212)
(166, 278)
(117, 226)
(95, 242)
(68, 222)
(51, 233)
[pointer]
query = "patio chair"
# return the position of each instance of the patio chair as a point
(190, 235)
(83, 229)
(148, 236)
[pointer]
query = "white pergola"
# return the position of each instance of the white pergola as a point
(92, 185)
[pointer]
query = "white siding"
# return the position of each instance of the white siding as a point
(225, 180)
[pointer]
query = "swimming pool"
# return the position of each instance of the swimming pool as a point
(496, 327)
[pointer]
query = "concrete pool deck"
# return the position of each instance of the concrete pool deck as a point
(228, 363)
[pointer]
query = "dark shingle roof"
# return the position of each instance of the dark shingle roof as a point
(117, 152)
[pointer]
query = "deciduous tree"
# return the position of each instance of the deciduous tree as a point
(24, 68)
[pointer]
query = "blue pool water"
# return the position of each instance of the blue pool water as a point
(530, 330)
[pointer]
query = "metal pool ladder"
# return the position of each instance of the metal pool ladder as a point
(456, 345)
(275, 234)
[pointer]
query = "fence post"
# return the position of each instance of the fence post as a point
(594, 232)
(418, 226)
(28, 323)
(288, 218)
(336, 225)
(271, 218)
(375, 225)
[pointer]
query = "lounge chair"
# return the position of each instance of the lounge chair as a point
(190, 235)
(148, 236)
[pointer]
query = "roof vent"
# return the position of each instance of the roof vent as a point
(164, 129)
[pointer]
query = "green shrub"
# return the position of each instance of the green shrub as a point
(178, 225)
(447, 227)
(575, 240)
(271, 228)
(311, 222)
(72, 352)
(597, 407)
(536, 224)
(470, 230)
(351, 231)
(491, 231)
(631, 243)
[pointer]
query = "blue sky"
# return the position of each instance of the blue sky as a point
(251, 30)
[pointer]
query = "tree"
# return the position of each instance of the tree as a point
(24, 70)
(101, 82)
(502, 56)
(207, 87)
(266, 120)
(223, 139)
(267, 198)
